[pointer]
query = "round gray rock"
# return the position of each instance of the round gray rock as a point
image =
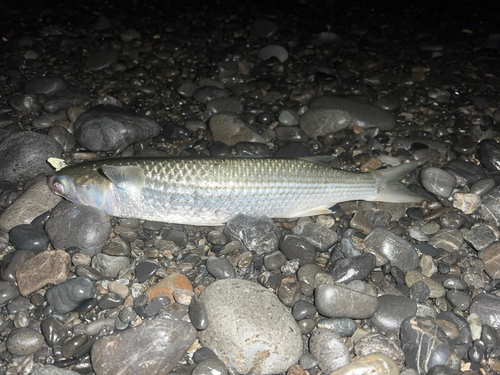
(25, 154)
(24, 341)
(335, 301)
(321, 121)
(330, 350)
(249, 328)
(81, 226)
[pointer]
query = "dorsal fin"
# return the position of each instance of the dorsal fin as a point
(131, 176)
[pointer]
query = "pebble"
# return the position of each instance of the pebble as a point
(469, 171)
(73, 225)
(338, 302)
(480, 236)
(289, 117)
(258, 234)
(24, 155)
(220, 268)
(55, 333)
(487, 307)
(109, 266)
(107, 128)
(67, 295)
(392, 311)
(166, 286)
(320, 237)
(436, 289)
(375, 363)
(491, 258)
(330, 350)
(49, 86)
(448, 239)
(425, 345)
(468, 203)
(273, 50)
(295, 247)
(483, 186)
(110, 301)
(101, 60)
(263, 28)
(458, 299)
(274, 260)
(353, 268)
(11, 263)
(206, 94)
(220, 105)
(363, 115)
(210, 366)
(303, 310)
(375, 342)
(155, 346)
(53, 370)
(48, 267)
(318, 122)
(488, 153)
(8, 292)
(401, 253)
(145, 269)
(230, 128)
(344, 327)
(24, 341)
(198, 314)
(438, 181)
(242, 329)
(28, 237)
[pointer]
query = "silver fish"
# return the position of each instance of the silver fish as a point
(210, 191)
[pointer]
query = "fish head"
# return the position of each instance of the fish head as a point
(85, 185)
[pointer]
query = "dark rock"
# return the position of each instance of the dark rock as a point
(66, 296)
(29, 237)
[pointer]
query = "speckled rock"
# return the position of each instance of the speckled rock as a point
(246, 338)
(375, 363)
(330, 350)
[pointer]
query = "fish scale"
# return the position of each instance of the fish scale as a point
(210, 191)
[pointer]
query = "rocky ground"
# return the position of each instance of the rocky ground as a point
(383, 288)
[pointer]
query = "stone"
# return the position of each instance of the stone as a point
(468, 203)
(426, 345)
(273, 50)
(353, 268)
(153, 347)
(448, 239)
(107, 128)
(8, 292)
(24, 155)
(375, 363)
(344, 327)
(330, 350)
(53, 370)
(339, 302)
(320, 121)
(220, 268)
(438, 181)
(375, 342)
(11, 263)
(242, 336)
(392, 311)
(320, 237)
(295, 247)
(101, 60)
(49, 86)
(67, 295)
(166, 286)
(487, 307)
(74, 225)
(491, 258)
(24, 341)
(436, 289)
(230, 128)
(29, 237)
(263, 28)
(48, 267)
(480, 236)
(109, 266)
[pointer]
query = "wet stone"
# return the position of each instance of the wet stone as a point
(392, 311)
(110, 301)
(491, 257)
(483, 186)
(344, 327)
(220, 268)
(487, 307)
(375, 342)
(230, 129)
(73, 225)
(426, 345)
(156, 304)
(116, 247)
(338, 302)
(490, 206)
(375, 363)
(480, 236)
(273, 50)
(458, 299)
(295, 247)
(448, 239)
(206, 94)
(49, 86)
(400, 252)
(210, 366)
(109, 266)
(419, 292)
(166, 286)
(106, 127)
(25, 154)
(303, 310)
(24, 341)
(53, 370)
(436, 289)
(322, 238)
(48, 267)
(11, 263)
(289, 117)
(438, 181)
(145, 269)
(224, 105)
(488, 152)
(66, 296)
(258, 234)
(291, 134)
(363, 115)
(330, 350)
(263, 28)
(236, 306)
(29, 237)
(154, 346)
(198, 314)
(8, 292)
(101, 60)
(321, 121)
(252, 149)
(73, 345)
(274, 260)
(469, 171)
(353, 268)
(468, 203)
(88, 272)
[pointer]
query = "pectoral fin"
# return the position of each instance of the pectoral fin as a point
(321, 210)
(125, 177)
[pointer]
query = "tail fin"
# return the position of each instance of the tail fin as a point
(389, 187)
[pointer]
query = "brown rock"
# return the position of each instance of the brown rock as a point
(491, 257)
(48, 267)
(296, 370)
(167, 286)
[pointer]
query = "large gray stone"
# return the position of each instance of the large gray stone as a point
(249, 328)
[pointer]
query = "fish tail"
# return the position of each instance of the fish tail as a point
(390, 189)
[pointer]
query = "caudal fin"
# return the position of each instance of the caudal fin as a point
(389, 187)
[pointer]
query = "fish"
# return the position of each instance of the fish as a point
(210, 191)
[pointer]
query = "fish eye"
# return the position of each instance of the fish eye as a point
(59, 186)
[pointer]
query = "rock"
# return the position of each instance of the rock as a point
(166, 286)
(35, 200)
(294, 247)
(401, 253)
(375, 342)
(468, 203)
(24, 341)
(29, 237)
(480, 236)
(73, 225)
(220, 268)
(220, 105)
(426, 345)
(438, 181)
(363, 115)
(339, 302)
(353, 268)
(242, 336)
(448, 239)
(55, 333)
(52, 370)
(67, 295)
(11, 263)
(344, 327)
(258, 234)
(392, 311)
(273, 51)
(48, 267)
(318, 122)
(206, 94)
(230, 128)
(109, 266)
(8, 292)
(106, 128)
(24, 155)
(153, 347)
(436, 289)
(263, 28)
(101, 60)
(210, 366)
(487, 307)
(491, 258)
(375, 363)
(330, 350)
(488, 153)
(322, 238)
(49, 86)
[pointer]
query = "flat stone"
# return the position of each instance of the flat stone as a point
(491, 257)
(335, 301)
(322, 238)
(166, 286)
(48, 267)
(392, 311)
(11, 263)
(8, 292)
(49, 86)
(153, 347)
(438, 181)
(273, 51)
(109, 266)
(448, 239)
(375, 363)
(487, 307)
(230, 128)
(242, 335)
